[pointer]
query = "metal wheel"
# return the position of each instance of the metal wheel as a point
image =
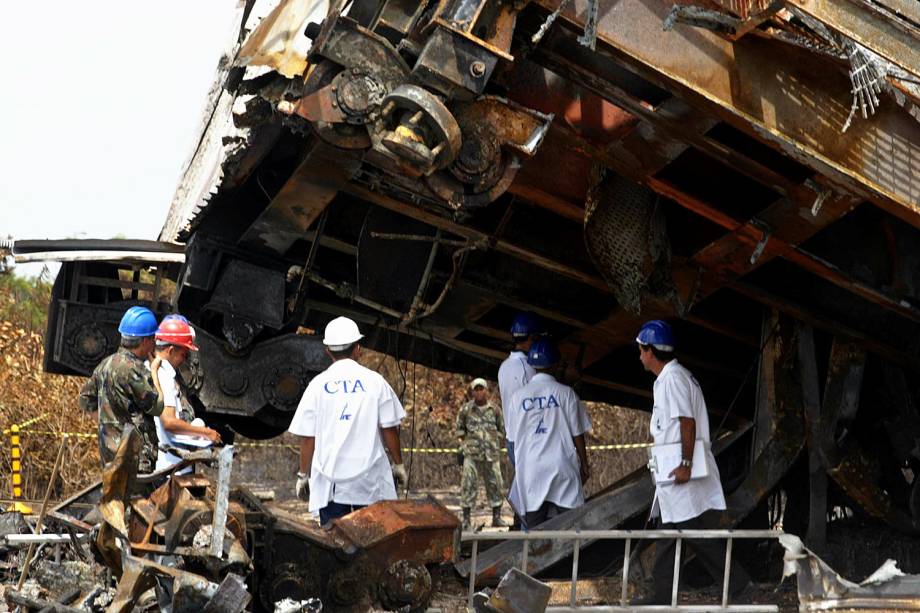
(419, 128)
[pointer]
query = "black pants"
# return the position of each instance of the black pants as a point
(547, 510)
(711, 552)
(334, 510)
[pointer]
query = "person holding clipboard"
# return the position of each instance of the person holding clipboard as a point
(177, 425)
(688, 492)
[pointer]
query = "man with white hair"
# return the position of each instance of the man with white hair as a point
(347, 416)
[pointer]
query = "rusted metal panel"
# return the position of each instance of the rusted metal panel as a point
(301, 200)
(787, 97)
(877, 32)
(279, 41)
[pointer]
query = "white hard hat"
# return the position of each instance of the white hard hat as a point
(479, 382)
(340, 333)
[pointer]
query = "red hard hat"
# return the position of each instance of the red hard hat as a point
(176, 332)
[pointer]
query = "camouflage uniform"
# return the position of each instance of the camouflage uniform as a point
(481, 432)
(122, 390)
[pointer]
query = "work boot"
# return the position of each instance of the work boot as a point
(467, 522)
(497, 518)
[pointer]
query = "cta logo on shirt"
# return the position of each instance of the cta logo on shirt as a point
(345, 386)
(540, 403)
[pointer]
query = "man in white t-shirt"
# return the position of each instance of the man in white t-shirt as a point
(347, 416)
(547, 423)
(679, 416)
(514, 373)
(175, 338)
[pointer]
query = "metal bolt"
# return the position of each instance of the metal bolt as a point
(477, 68)
(415, 118)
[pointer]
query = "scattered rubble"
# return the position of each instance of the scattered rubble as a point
(822, 589)
(517, 592)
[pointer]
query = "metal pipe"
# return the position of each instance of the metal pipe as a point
(618, 535)
(422, 238)
(625, 585)
(676, 581)
(525, 550)
(15, 540)
(662, 608)
(728, 567)
(573, 591)
(473, 574)
(423, 284)
(39, 527)
(221, 501)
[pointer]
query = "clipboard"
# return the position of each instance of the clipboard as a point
(665, 458)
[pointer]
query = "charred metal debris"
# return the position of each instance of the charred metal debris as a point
(188, 543)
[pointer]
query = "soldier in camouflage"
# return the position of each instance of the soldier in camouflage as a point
(122, 391)
(481, 433)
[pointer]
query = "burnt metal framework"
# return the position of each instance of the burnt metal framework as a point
(738, 136)
(440, 165)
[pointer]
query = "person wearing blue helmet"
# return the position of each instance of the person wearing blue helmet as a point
(121, 390)
(547, 424)
(680, 421)
(514, 373)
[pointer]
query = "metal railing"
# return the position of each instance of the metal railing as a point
(628, 536)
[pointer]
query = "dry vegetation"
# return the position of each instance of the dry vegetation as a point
(26, 392)
(431, 399)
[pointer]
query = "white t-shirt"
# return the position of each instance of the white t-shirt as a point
(543, 418)
(344, 408)
(677, 394)
(171, 398)
(513, 374)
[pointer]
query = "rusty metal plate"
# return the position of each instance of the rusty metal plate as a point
(416, 530)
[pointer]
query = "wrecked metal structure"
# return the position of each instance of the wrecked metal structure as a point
(197, 544)
(747, 169)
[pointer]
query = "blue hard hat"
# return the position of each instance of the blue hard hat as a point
(138, 321)
(658, 334)
(525, 324)
(543, 352)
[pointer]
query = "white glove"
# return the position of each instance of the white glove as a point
(302, 488)
(399, 473)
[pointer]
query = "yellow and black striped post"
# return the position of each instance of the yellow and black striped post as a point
(16, 457)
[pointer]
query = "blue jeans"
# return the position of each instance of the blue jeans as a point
(334, 510)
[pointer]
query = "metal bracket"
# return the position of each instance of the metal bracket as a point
(822, 195)
(762, 243)
(589, 39)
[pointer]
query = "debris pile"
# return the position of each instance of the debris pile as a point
(190, 542)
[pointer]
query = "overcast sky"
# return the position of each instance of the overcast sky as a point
(101, 104)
